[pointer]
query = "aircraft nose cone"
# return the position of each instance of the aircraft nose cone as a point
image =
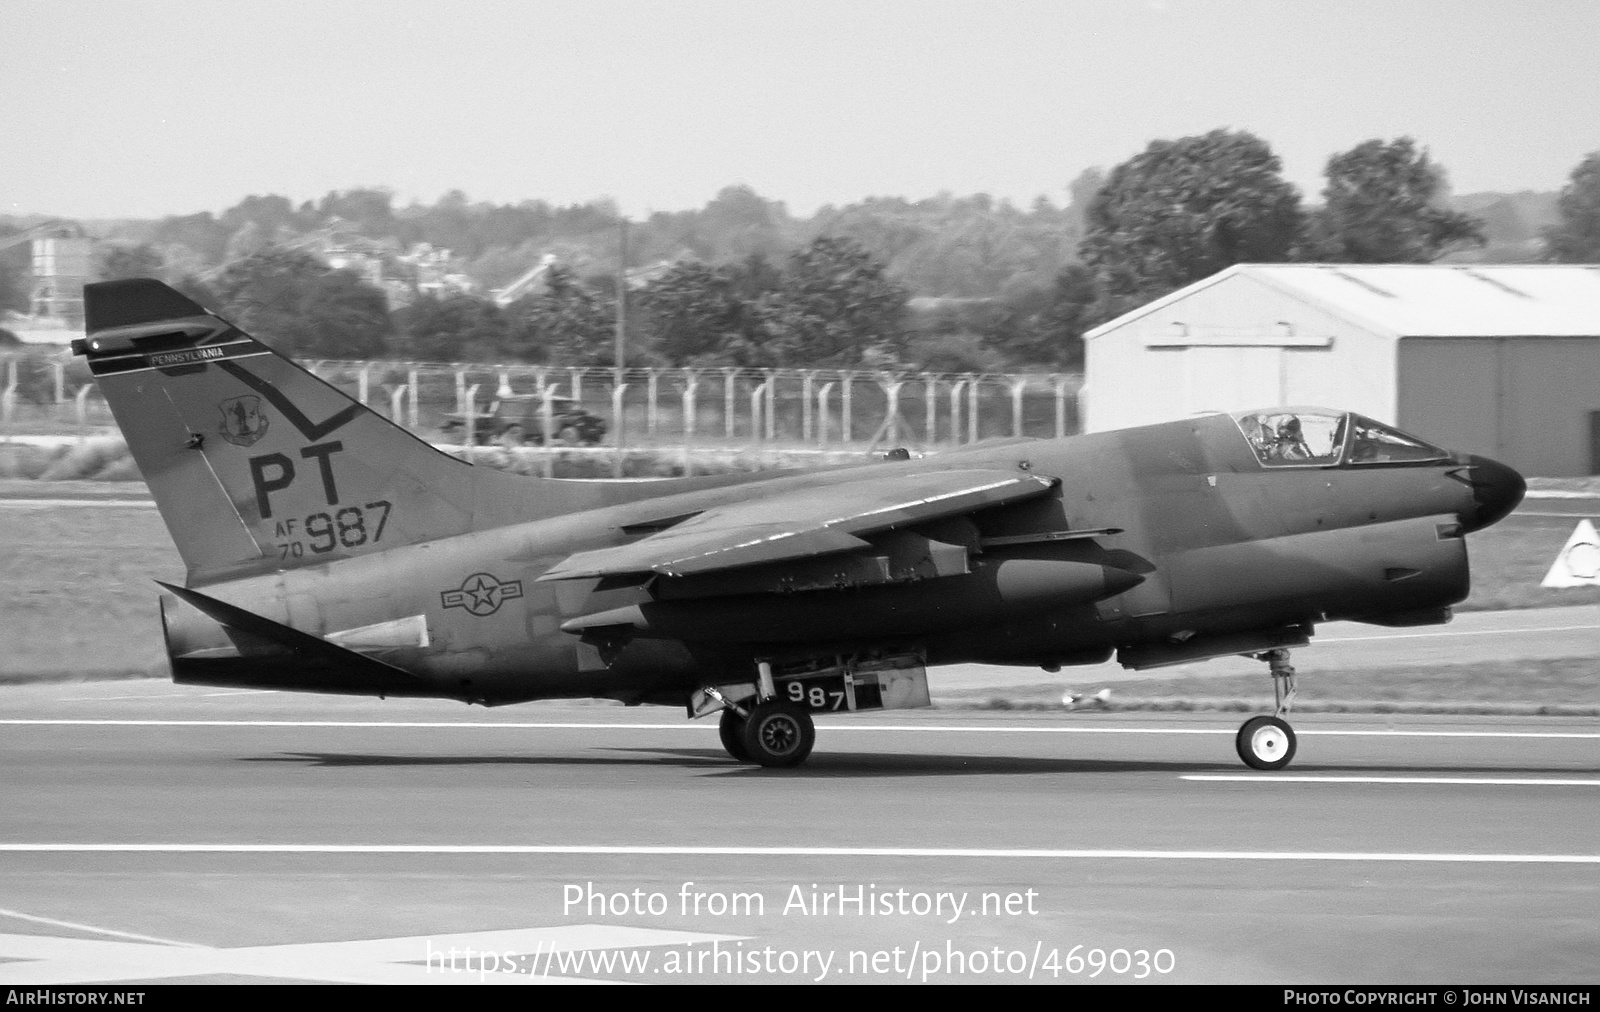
(1496, 491)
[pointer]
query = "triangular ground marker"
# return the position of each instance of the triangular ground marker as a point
(1578, 564)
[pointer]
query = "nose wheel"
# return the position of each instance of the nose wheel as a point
(1265, 743)
(1268, 743)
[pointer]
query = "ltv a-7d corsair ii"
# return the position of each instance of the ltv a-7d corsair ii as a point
(329, 550)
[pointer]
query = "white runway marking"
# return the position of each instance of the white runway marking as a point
(90, 928)
(1355, 733)
(1298, 779)
(736, 851)
(567, 953)
(915, 728)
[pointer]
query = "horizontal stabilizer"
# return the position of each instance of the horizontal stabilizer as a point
(303, 644)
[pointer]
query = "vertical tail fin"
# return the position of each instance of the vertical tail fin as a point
(256, 464)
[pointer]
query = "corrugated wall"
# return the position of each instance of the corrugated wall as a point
(1522, 400)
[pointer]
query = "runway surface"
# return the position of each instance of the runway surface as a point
(155, 832)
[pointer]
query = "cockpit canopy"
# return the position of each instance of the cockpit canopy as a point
(1317, 437)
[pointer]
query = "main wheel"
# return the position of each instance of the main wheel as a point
(568, 436)
(512, 437)
(778, 733)
(1265, 743)
(731, 730)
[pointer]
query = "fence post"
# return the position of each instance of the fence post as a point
(470, 423)
(690, 388)
(397, 400)
(890, 383)
(772, 405)
(8, 396)
(411, 385)
(755, 411)
(822, 414)
(363, 382)
(503, 387)
(957, 388)
(464, 404)
(845, 419)
(577, 384)
(807, 379)
(730, 376)
(1018, 385)
(972, 409)
(652, 387)
(547, 418)
(619, 421)
(930, 411)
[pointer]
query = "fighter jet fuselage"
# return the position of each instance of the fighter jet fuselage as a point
(1161, 541)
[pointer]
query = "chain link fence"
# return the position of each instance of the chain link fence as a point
(601, 411)
(794, 408)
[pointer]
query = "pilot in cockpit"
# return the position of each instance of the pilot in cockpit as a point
(1290, 442)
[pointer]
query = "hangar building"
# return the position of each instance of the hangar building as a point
(1498, 360)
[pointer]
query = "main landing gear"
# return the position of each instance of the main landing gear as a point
(765, 730)
(1268, 743)
(731, 729)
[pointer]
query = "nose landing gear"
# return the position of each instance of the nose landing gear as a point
(1268, 743)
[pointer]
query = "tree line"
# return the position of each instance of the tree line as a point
(945, 284)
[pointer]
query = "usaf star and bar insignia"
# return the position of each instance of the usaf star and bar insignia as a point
(481, 594)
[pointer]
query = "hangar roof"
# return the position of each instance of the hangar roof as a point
(1427, 300)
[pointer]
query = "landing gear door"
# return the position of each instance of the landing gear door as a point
(895, 685)
(891, 683)
(883, 683)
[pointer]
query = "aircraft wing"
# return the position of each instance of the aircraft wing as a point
(817, 520)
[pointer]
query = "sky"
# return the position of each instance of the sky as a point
(114, 108)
